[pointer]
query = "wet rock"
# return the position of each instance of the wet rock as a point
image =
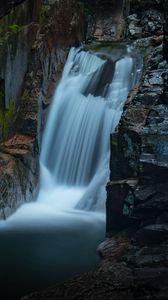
(113, 248)
(135, 31)
(152, 21)
(163, 65)
(145, 23)
(142, 42)
(143, 193)
(146, 99)
(153, 81)
(119, 206)
(125, 164)
(158, 40)
(143, 156)
(133, 18)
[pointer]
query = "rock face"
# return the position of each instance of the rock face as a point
(138, 148)
(139, 165)
(19, 150)
(35, 37)
(166, 30)
(6, 6)
(18, 168)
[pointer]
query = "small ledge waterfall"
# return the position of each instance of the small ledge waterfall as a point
(56, 236)
(85, 110)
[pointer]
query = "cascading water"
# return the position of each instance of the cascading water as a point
(75, 148)
(67, 220)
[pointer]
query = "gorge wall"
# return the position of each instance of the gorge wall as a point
(137, 193)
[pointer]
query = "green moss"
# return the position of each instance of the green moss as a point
(114, 141)
(8, 29)
(14, 28)
(44, 12)
(6, 118)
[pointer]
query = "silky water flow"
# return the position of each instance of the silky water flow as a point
(56, 236)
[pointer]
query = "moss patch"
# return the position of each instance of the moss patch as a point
(6, 118)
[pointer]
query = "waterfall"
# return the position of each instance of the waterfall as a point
(75, 148)
(56, 236)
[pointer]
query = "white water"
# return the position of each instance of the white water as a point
(75, 148)
(74, 162)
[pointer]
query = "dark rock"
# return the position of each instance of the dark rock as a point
(19, 173)
(152, 21)
(144, 193)
(153, 234)
(133, 26)
(146, 22)
(157, 40)
(133, 18)
(153, 277)
(162, 218)
(146, 99)
(125, 151)
(149, 210)
(148, 257)
(119, 205)
(165, 42)
(6, 6)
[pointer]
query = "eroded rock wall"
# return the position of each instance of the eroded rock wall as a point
(138, 147)
(137, 193)
(19, 152)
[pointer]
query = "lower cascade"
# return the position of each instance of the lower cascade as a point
(56, 236)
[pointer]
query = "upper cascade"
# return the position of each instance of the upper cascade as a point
(76, 140)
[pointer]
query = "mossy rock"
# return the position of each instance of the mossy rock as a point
(6, 119)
